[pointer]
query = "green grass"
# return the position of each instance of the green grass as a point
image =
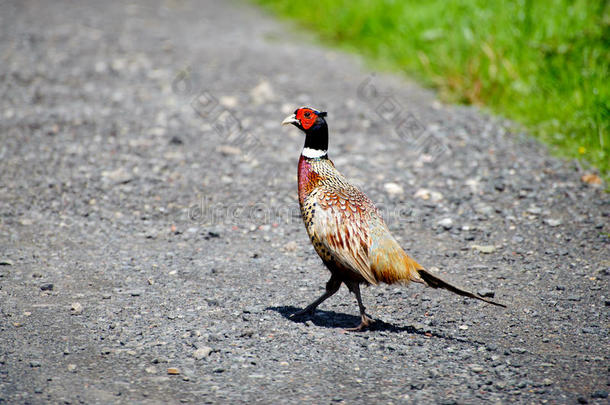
(541, 63)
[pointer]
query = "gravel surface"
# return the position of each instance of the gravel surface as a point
(151, 248)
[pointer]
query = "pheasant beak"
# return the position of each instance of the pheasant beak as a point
(291, 119)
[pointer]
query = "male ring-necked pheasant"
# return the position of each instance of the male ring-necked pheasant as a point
(345, 228)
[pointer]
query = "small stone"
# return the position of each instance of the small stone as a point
(484, 209)
(484, 292)
(6, 262)
(228, 101)
(500, 385)
(446, 223)
(463, 327)
(591, 178)
(227, 150)
(262, 93)
(72, 368)
(118, 64)
(582, 400)
(76, 308)
(601, 394)
(534, 210)
(393, 188)
(202, 352)
(552, 222)
(484, 248)
(547, 382)
(117, 176)
(291, 246)
(476, 368)
(176, 140)
(47, 287)
(151, 370)
(426, 194)
(173, 371)
(35, 363)
(135, 293)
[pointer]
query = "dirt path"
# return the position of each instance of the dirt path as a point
(148, 221)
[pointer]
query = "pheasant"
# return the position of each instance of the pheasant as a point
(346, 229)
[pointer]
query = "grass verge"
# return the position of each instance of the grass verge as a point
(542, 63)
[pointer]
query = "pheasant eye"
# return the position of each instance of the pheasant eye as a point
(307, 114)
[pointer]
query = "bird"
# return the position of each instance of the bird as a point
(346, 229)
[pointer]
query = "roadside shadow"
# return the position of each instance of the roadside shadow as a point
(336, 320)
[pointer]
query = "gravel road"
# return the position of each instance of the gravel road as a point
(151, 248)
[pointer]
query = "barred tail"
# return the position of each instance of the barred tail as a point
(437, 282)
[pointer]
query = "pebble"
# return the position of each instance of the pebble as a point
(477, 368)
(262, 93)
(500, 385)
(534, 210)
(484, 248)
(6, 262)
(228, 150)
(173, 371)
(601, 394)
(393, 189)
(76, 308)
(426, 194)
(202, 352)
(151, 370)
(135, 293)
(176, 140)
(118, 176)
(291, 246)
(72, 368)
(552, 222)
(484, 292)
(446, 223)
(47, 287)
(228, 101)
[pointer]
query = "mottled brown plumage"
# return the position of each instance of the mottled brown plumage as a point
(345, 227)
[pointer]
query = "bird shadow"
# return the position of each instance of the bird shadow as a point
(336, 320)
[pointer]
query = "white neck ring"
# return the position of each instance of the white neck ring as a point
(313, 153)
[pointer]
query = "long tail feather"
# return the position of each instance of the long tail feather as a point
(437, 282)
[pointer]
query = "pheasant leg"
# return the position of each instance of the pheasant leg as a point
(366, 320)
(332, 286)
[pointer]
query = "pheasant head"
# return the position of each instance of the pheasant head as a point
(312, 122)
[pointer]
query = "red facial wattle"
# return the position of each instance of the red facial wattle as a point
(307, 117)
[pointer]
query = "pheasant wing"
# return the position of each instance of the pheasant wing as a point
(342, 227)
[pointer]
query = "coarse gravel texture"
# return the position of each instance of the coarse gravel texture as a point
(151, 248)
